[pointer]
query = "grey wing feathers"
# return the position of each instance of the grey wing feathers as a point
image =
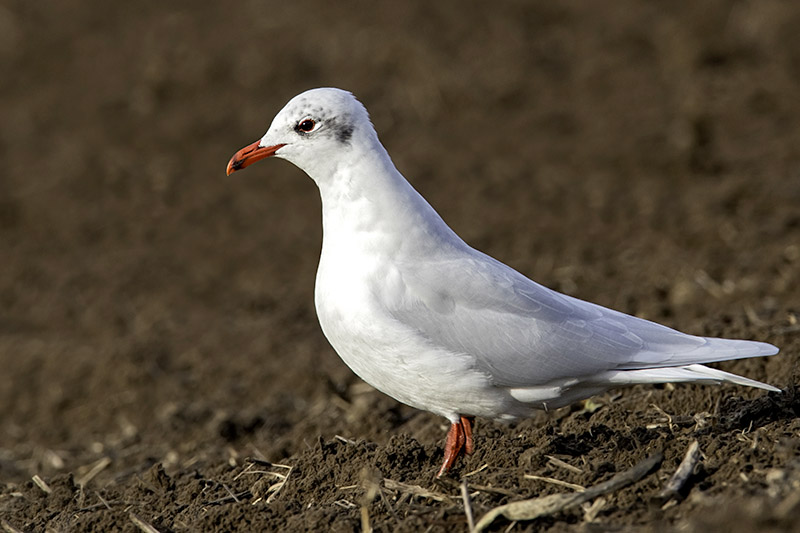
(524, 334)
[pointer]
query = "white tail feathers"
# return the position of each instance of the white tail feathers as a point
(682, 374)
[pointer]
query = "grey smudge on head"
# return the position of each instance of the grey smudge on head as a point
(344, 132)
(340, 127)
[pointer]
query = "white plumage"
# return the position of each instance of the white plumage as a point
(438, 325)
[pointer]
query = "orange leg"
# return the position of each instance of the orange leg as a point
(466, 424)
(459, 439)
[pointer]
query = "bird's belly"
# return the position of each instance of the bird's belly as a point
(398, 360)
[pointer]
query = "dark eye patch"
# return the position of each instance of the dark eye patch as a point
(344, 133)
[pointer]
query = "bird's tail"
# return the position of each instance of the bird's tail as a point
(681, 374)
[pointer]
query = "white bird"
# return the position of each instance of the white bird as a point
(438, 325)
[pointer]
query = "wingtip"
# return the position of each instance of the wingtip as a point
(771, 349)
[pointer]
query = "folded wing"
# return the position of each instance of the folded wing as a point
(524, 334)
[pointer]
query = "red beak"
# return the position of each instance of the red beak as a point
(249, 155)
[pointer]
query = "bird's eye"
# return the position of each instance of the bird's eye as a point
(306, 125)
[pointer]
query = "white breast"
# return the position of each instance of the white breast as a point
(356, 290)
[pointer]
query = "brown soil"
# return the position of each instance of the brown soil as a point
(158, 343)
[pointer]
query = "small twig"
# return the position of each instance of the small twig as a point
(245, 471)
(666, 415)
(545, 505)
(788, 506)
(8, 528)
(788, 329)
(681, 475)
(402, 499)
(481, 469)
(467, 505)
(141, 524)
(345, 504)
(103, 501)
(388, 505)
(96, 468)
(344, 439)
(260, 462)
(708, 283)
(274, 489)
(261, 472)
(590, 511)
(573, 486)
(245, 494)
(555, 461)
(366, 527)
(41, 484)
(493, 490)
(371, 489)
(224, 486)
(752, 316)
(415, 490)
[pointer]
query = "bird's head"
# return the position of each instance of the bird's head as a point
(313, 129)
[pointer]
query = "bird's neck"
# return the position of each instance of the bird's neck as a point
(370, 205)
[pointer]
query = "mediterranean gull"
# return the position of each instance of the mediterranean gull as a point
(437, 325)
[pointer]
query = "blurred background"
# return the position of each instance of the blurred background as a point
(643, 155)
